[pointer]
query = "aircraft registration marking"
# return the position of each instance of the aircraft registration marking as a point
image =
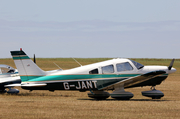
(81, 85)
(72, 85)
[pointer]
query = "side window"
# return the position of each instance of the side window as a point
(94, 71)
(124, 67)
(108, 69)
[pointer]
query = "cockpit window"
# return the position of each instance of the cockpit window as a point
(124, 67)
(108, 69)
(138, 65)
(94, 71)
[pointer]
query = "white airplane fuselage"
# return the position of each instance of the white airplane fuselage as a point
(80, 78)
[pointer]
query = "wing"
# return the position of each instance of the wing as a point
(134, 80)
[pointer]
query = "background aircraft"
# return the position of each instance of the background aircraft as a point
(115, 74)
(8, 75)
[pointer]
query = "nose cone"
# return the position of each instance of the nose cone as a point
(172, 70)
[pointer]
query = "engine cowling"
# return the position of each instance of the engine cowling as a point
(13, 91)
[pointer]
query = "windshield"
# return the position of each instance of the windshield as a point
(138, 65)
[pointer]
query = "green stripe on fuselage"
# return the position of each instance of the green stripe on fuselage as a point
(74, 77)
(28, 78)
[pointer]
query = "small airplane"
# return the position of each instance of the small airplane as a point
(116, 74)
(8, 75)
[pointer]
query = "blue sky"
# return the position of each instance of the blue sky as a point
(96, 28)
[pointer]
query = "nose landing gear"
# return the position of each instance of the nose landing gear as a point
(154, 94)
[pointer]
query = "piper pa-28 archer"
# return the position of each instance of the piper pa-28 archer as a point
(98, 78)
(8, 75)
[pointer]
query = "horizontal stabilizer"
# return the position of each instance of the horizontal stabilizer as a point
(12, 85)
(33, 85)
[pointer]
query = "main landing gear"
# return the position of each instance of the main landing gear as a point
(120, 94)
(154, 94)
(99, 95)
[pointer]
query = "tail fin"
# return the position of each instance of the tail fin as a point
(26, 67)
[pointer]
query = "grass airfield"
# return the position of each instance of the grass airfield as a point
(74, 104)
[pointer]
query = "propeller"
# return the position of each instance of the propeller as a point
(34, 59)
(171, 64)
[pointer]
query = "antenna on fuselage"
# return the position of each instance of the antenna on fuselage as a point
(77, 61)
(57, 66)
(34, 59)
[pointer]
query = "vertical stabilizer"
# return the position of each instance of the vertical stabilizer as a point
(26, 67)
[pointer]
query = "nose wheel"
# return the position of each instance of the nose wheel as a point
(153, 93)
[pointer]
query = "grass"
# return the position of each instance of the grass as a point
(74, 104)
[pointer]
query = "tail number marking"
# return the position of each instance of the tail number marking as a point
(81, 85)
